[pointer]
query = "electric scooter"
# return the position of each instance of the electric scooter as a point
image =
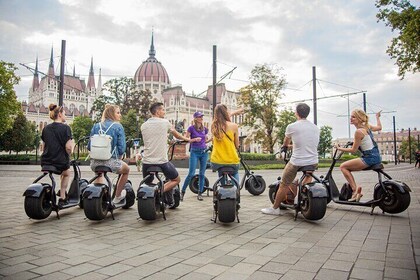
(390, 195)
(151, 197)
(97, 197)
(310, 199)
(40, 198)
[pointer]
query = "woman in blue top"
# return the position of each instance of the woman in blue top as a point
(197, 153)
(110, 119)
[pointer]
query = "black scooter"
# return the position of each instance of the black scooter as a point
(151, 198)
(310, 199)
(97, 197)
(40, 198)
(226, 196)
(390, 195)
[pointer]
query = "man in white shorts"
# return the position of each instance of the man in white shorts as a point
(305, 138)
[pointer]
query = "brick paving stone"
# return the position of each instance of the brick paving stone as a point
(370, 264)
(400, 273)
(298, 274)
(280, 268)
(369, 274)
(50, 268)
(329, 274)
(56, 276)
(262, 275)
(227, 260)
(24, 275)
(244, 268)
(338, 265)
(212, 269)
(80, 269)
(9, 270)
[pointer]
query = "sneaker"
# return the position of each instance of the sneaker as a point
(182, 196)
(199, 197)
(120, 198)
(271, 211)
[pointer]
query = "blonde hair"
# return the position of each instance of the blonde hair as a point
(221, 117)
(110, 112)
(55, 110)
(362, 117)
(198, 126)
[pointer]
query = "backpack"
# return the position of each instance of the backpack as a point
(346, 192)
(100, 145)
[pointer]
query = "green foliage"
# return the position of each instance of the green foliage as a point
(325, 140)
(404, 150)
(404, 18)
(131, 125)
(15, 157)
(99, 106)
(256, 156)
(260, 100)
(286, 117)
(21, 137)
(81, 126)
(8, 102)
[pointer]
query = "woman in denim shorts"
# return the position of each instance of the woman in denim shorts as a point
(363, 141)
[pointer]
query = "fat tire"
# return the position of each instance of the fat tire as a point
(195, 181)
(147, 208)
(96, 208)
(38, 208)
(395, 203)
(226, 210)
(251, 185)
(82, 186)
(314, 208)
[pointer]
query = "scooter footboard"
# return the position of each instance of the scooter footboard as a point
(35, 190)
(227, 193)
(146, 191)
(93, 191)
(316, 189)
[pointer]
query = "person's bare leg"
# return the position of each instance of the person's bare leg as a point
(352, 165)
(171, 184)
(65, 177)
(123, 179)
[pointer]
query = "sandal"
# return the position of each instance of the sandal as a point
(359, 194)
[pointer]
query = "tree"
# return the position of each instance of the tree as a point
(404, 150)
(404, 18)
(325, 140)
(260, 99)
(81, 126)
(8, 102)
(21, 137)
(131, 125)
(99, 105)
(286, 117)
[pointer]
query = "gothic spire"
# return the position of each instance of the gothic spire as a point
(35, 81)
(152, 51)
(51, 66)
(91, 79)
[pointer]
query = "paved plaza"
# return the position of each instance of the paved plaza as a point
(348, 243)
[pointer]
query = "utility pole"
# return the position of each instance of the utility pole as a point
(314, 90)
(395, 141)
(63, 61)
(364, 102)
(409, 143)
(214, 75)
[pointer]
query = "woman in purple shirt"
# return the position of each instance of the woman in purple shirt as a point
(197, 153)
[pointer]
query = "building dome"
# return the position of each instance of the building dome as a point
(151, 70)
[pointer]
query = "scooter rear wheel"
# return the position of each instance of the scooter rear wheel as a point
(226, 210)
(394, 202)
(314, 208)
(96, 208)
(147, 208)
(38, 208)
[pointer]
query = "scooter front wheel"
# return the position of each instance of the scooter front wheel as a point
(313, 208)
(130, 197)
(255, 185)
(38, 208)
(96, 208)
(195, 181)
(226, 210)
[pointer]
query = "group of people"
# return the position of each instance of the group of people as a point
(302, 135)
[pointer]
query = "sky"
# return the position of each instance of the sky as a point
(342, 39)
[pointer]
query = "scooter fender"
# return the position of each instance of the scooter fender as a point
(227, 193)
(274, 184)
(401, 187)
(94, 191)
(146, 191)
(316, 190)
(35, 190)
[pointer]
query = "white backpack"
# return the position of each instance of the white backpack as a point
(100, 145)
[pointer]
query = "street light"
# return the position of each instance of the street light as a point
(137, 126)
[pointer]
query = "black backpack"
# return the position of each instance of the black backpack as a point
(346, 192)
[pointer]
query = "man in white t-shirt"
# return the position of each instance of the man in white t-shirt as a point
(155, 138)
(305, 138)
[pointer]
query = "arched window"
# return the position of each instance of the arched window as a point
(82, 109)
(71, 108)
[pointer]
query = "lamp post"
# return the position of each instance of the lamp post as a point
(137, 126)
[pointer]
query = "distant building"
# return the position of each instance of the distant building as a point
(77, 100)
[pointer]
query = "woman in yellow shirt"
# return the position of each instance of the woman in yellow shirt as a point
(225, 141)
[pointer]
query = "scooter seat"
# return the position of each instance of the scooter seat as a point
(226, 169)
(102, 169)
(50, 168)
(307, 168)
(154, 169)
(378, 166)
